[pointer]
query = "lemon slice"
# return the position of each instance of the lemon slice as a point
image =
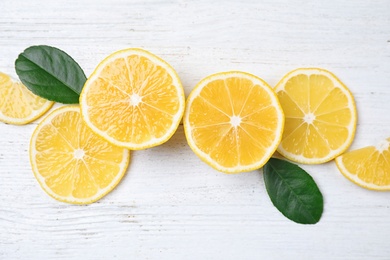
(18, 105)
(233, 121)
(133, 99)
(320, 116)
(368, 167)
(71, 163)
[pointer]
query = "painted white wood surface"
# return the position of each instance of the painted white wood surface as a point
(170, 205)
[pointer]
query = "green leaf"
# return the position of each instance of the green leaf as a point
(293, 191)
(50, 73)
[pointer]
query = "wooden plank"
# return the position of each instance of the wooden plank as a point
(170, 205)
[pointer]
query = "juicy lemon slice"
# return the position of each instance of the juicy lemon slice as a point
(320, 116)
(368, 167)
(233, 121)
(18, 105)
(133, 99)
(71, 163)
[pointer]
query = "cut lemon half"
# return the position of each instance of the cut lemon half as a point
(368, 167)
(18, 105)
(71, 163)
(233, 121)
(320, 116)
(133, 99)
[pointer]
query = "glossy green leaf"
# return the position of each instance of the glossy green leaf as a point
(50, 73)
(293, 191)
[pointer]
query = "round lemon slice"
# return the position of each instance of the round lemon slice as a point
(133, 99)
(233, 121)
(368, 167)
(71, 163)
(320, 116)
(18, 105)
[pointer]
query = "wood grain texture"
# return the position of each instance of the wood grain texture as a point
(170, 205)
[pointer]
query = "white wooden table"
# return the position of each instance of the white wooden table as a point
(170, 205)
